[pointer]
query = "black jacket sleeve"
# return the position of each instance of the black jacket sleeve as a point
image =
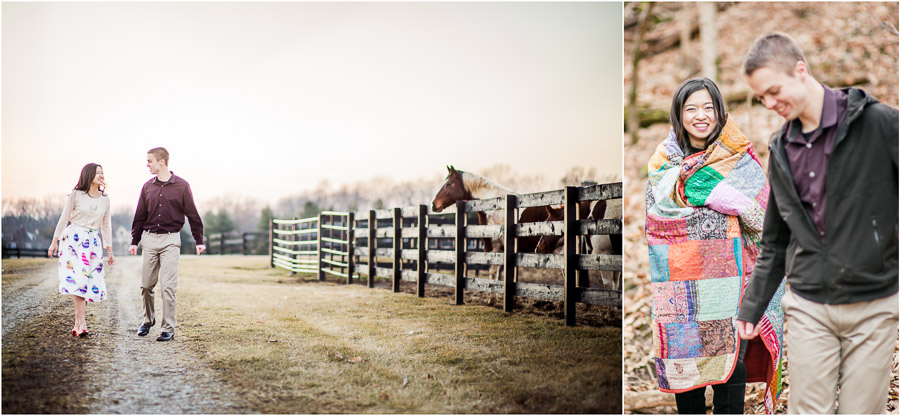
(769, 269)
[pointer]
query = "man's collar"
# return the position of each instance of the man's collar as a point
(828, 118)
(171, 179)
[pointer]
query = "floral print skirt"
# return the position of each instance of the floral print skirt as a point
(81, 264)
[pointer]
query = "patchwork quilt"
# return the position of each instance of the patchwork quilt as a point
(704, 220)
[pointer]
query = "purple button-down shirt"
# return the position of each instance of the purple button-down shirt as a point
(162, 208)
(809, 159)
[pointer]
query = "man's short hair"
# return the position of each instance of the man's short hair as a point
(776, 51)
(160, 153)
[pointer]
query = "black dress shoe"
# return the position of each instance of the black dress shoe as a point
(165, 336)
(145, 328)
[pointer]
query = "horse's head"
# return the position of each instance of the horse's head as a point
(549, 243)
(453, 190)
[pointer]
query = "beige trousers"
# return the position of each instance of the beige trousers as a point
(846, 345)
(160, 264)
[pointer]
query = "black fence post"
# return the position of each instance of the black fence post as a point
(373, 245)
(271, 242)
(509, 254)
(398, 247)
(422, 245)
(222, 243)
(350, 265)
(569, 291)
(293, 239)
(460, 250)
(319, 253)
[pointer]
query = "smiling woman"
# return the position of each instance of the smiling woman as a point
(697, 114)
(706, 195)
(83, 231)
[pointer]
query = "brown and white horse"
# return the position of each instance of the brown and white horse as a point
(467, 186)
(597, 244)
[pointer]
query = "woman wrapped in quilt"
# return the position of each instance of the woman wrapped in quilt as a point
(706, 198)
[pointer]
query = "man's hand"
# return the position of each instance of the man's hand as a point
(747, 330)
(201, 248)
(132, 250)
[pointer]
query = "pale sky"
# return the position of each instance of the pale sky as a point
(269, 99)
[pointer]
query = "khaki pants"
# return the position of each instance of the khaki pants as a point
(160, 264)
(848, 345)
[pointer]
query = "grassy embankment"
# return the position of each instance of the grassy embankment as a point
(291, 346)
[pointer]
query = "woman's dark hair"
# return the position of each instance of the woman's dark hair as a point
(87, 176)
(681, 95)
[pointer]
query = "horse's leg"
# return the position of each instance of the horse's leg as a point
(602, 245)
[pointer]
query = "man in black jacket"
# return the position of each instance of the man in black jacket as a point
(831, 229)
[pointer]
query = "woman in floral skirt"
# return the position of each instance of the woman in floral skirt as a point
(80, 245)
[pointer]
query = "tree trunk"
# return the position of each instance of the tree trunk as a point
(633, 120)
(686, 28)
(708, 35)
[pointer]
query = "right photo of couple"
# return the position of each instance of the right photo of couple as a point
(762, 258)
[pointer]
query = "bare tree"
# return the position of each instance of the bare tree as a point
(708, 40)
(688, 21)
(633, 120)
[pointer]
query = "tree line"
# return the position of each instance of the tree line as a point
(238, 214)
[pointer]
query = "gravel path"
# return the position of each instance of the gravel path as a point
(24, 298)
(124, 373)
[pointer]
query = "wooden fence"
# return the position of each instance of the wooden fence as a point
(233, 243)
(378, 243)
(23, 252)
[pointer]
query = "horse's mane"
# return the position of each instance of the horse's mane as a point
(482, 187)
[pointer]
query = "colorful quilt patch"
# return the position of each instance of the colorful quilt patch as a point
(747, 181)
(685, 261)
(719, 337)
(659, 263)
(659, 340)
(666, 231)
(717, 298)
(718, 258)
(728, 200)
(700, 185)
(714, 368)
(675, 300)
(661, 373)
(734, 228)
(707, 224)
(682, 373)
(683, 340)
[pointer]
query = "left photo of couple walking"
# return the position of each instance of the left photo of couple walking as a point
(85, 225)
(308, 207)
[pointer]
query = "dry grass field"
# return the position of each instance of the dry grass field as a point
(251, 339)
(295, 346)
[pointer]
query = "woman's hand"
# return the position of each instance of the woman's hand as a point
(111, 259)
(54, 247)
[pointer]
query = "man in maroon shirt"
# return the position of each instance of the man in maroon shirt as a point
(831, 230)
(164, 202)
